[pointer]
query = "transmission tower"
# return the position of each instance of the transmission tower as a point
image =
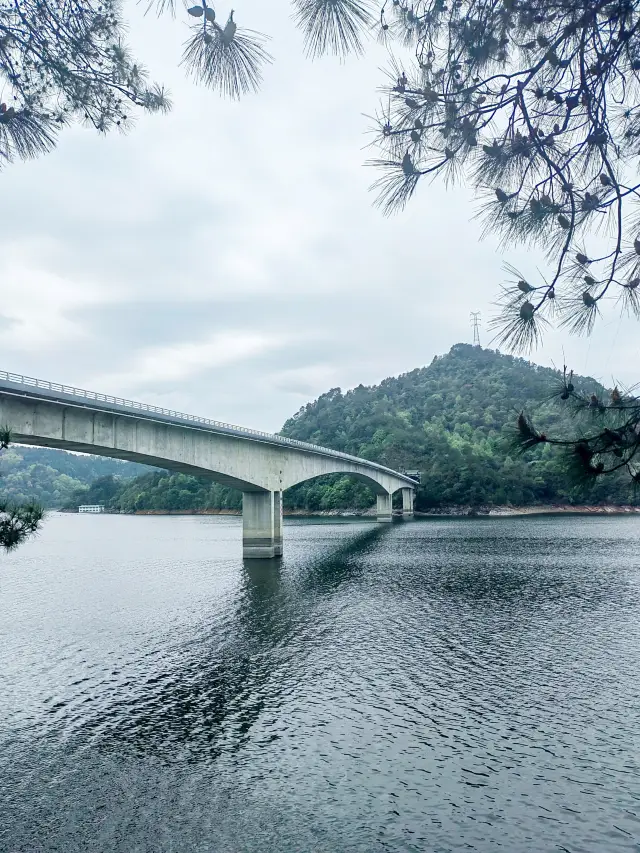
(475, 322)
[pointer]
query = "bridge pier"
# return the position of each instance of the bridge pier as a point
(407, 503)
(261, 525)
(383, 508)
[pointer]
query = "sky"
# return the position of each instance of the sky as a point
(226, 260)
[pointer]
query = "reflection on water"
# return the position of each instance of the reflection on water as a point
(436, 686)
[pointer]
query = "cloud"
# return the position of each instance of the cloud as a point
(158, 365)
(38, 304)
(307, 382)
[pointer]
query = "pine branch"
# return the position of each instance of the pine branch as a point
(17, 523)
(229, 59)
(333, 26)
(526, 436)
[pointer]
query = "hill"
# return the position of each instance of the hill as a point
(453, 421)
(52, 477)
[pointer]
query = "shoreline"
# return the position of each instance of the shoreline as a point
(546, 509)
(437, 512)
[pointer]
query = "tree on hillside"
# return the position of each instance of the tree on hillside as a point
(536, 102)
(17, 523)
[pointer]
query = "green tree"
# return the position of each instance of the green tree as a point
(51, 478)
(17, 522)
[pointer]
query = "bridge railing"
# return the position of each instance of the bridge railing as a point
(30, 382)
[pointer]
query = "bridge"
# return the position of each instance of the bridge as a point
(260, 464)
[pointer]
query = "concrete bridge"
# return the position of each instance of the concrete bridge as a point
(261, 465)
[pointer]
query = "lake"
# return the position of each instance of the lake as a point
(441, 685)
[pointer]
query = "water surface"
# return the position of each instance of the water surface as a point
(441, 685)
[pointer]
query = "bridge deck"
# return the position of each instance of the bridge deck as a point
(27, 386)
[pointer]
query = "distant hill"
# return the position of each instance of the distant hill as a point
(453, 421)
(52, 477)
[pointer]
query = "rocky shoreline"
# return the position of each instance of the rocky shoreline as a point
(450, 511)
(546, 509)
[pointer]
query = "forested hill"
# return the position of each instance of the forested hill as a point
(53, 477)
(454, 421)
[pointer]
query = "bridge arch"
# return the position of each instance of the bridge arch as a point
(371, 479)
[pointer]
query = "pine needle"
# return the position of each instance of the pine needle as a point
(233, 67)
(333, 26)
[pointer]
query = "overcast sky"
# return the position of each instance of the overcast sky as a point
(226, 260)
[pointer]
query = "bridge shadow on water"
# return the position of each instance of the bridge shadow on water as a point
(209, 703)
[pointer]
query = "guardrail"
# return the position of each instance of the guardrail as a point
(29, 383)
